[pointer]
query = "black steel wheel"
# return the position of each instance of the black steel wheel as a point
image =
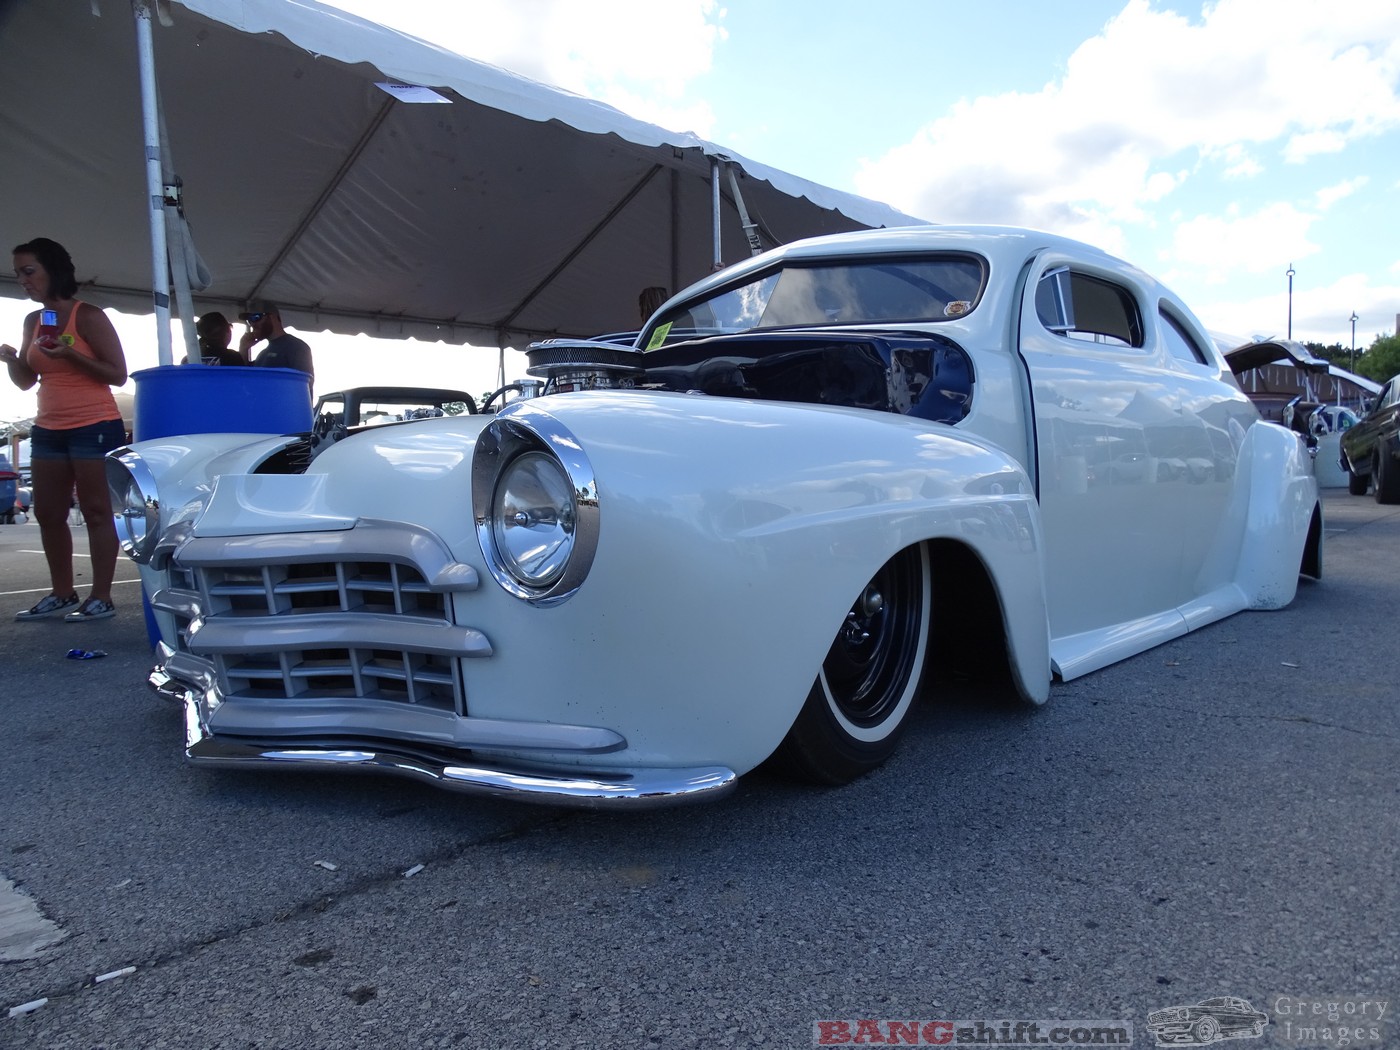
(859, 704)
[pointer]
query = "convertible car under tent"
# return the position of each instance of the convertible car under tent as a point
(497, 212)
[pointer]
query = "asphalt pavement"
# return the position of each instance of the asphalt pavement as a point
(1216, 817)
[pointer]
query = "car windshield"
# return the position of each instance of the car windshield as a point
(855, 291)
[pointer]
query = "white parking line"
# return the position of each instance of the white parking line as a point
(46, 590)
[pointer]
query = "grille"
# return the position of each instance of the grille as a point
(375, 674)
(380, 588)
(350, 625)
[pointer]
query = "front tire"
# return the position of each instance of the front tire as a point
(857, 708)
(1387, 478)
(1357, 484)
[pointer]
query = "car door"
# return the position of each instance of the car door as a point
(1134, 455)
(1361, 440)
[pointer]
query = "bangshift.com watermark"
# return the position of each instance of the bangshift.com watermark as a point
(871, 1032)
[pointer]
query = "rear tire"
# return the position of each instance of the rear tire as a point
(857, 708)
(1387, 478)
(1357, 484)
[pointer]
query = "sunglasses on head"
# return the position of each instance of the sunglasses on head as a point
(253, 318)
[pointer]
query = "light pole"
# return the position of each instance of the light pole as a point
(1291, 271)
(1353, 341)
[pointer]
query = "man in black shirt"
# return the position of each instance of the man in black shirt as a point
(215, 333)
(283, 350)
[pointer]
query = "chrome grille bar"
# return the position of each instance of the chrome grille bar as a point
(360, 613)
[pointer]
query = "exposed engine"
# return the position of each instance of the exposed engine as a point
(584, 364)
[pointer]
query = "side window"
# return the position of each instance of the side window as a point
(1180, 343)
(1090, 309)
(330, 413)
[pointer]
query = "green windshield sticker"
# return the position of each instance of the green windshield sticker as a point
(658, 337)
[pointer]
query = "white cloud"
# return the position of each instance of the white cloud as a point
(1221, 246)
(1236, 162)
(1321, 315)
(1330, 195)
(1308, 144)
(1146, 105)
(637, 55)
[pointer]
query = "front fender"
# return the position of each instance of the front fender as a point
(185, 467)
(734, 537)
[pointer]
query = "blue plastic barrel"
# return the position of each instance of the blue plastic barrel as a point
(224, 399)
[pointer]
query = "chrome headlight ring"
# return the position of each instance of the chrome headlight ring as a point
(135, 502)
(535, 503)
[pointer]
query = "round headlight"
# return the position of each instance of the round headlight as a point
(135, 503)
(533, 519)
(535, 501)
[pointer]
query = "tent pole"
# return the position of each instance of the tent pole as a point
(150, 121)
(179, 271)
(714, 210)
(173, 212)
(675, 233)
(750, 229)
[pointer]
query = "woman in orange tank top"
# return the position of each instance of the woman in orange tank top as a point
(72, 351)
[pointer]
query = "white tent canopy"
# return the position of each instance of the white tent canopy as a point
(514, 212)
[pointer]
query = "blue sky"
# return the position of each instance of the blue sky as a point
(1211, 144)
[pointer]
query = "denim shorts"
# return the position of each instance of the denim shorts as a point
(90, 442)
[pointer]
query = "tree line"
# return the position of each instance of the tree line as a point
(1379, 361)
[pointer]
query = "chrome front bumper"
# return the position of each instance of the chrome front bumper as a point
(624, 788)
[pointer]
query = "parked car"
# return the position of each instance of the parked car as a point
(14, 496)
(874, 460)
(338, 413)
(1370, 448)
(1224, 1017)
(9, 497)
(1291, 386)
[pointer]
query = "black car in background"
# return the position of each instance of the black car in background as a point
(339, 413)
(1370, 448)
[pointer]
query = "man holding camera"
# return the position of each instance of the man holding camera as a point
(283, 350)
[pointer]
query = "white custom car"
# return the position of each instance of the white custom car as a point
(821, 478)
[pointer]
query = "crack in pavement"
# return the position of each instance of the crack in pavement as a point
(318, 905)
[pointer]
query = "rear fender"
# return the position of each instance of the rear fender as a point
(1280, 522)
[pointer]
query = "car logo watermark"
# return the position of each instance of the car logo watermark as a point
(1223, 1017)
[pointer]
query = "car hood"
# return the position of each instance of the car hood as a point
(1273, 351)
